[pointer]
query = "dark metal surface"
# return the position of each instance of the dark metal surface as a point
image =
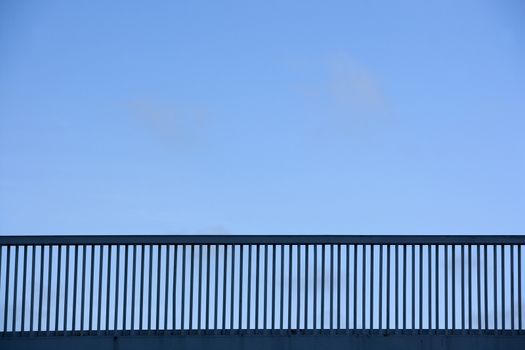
(258, 239)
(331, 341)
(272, 289)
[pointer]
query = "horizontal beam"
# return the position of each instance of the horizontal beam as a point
(270, 341)
(259, 239)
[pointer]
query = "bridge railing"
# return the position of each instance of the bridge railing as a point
(190, 284)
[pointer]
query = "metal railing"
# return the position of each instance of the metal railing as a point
(190, 284)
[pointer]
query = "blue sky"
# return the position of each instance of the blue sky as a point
(262, 117)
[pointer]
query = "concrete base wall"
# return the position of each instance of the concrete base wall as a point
(267, 342)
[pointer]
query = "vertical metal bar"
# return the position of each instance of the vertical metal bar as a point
(216, 297)
(354, 321)
(338, 287)
(332, 286)
(429, 286)
(150, 286)
(200, 290)
(265, 289)
(265, 284)
(192, 275)
(66, 288)
(290, 287)
(24, 283)
(101, 257)
(347, 273)
(463, 287)
(32, 298)
(125, 283)
(66, 311)
(315, 285)
(396, 288)
(15, 292)
(495, 288)
(125, 295)
(225, 256)
(241, 270)
(99, 302)
(413, 295)
(141, 300)
(281, 322)
(133, 285)
(420, 287)
(92, 287)
(512, 294)
(371, 286)
(150, 282)
(454, 311)
(478, 271)
(363, 294)
(4, 320)
(469, 268)
(503, 287)
(437, 286)
(306, 265)
(174, 296)
(82, 284)
(208, 254)
(520, 295)
(57, 300)
(446, 287)
(404, 287)
(380, 291)
(486, 287)
(232, 290)
(40, 296)
(166, 284)
(5, 305)
(183, 289)
(297, 323)
(117, 283)
(50, 255)
(323, 273)
(388, 262)
(7, 273)
(249, 297)
(24, 264)
(273, 290)
(396, 280)
(158, 274)
(241, 289)
(257, 270)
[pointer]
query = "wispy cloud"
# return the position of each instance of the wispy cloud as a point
(347, 94)
(353, 88)
(178, 127)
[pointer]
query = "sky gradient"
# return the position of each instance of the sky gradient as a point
(262, 117)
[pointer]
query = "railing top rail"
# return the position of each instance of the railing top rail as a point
(261, 239)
